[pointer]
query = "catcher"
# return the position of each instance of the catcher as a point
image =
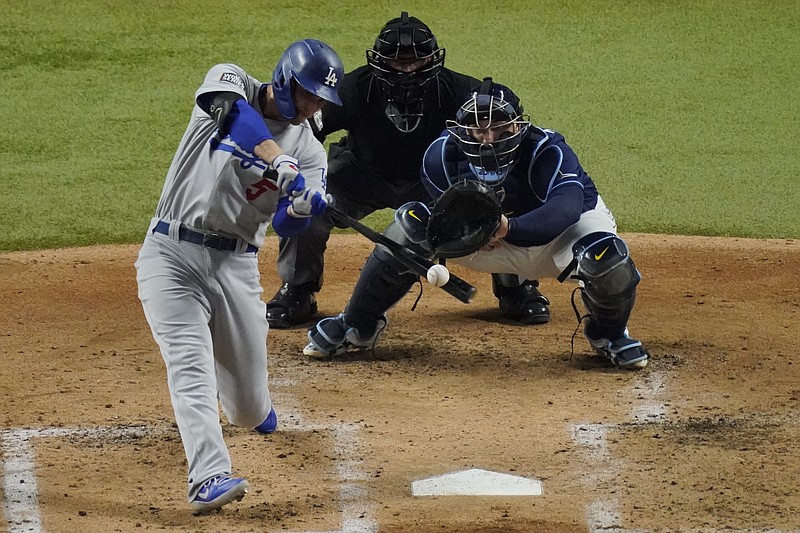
(512, 198)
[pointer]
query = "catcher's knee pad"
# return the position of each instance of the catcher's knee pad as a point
(605, 267)
(383, 282)
(412, 218)
(402, 232)
(609, 279)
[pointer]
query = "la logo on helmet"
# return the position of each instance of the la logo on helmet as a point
(330, 79)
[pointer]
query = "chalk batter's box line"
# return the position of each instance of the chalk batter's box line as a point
(21, 495)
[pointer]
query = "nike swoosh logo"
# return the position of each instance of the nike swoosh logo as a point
(204, 492)
(598, 257)
(412, 214)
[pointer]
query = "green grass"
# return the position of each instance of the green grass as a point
(685, 113)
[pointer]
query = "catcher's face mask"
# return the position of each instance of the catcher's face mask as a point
(489, 128)
(404, 59)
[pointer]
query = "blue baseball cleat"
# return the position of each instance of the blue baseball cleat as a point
(270, 424)
(218, 491)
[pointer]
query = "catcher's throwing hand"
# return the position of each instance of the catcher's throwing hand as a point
(497, 238)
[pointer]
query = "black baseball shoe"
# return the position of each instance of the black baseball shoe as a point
(292, 305)
(524, 304)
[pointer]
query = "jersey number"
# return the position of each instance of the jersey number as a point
(257, 189)
(330, 79)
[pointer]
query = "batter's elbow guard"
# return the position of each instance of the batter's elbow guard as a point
(218, 105)
(246, 126)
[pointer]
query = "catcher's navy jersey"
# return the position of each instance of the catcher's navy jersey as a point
(545, 192)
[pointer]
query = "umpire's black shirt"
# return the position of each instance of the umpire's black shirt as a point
(381, 149)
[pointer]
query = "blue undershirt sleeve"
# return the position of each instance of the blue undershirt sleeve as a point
(285, 225)
(561, 210)
(247, 127)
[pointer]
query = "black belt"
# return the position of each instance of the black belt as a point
(209, 240)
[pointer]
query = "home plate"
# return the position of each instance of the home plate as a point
(476, 482)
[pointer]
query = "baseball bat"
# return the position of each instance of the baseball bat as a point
(455, 287)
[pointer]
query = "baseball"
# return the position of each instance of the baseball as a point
(438, 275)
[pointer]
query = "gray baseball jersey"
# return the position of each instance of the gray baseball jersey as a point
(202, 301)
(213, 184)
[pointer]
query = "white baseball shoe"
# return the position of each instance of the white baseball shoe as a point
(625, 352)
(332, 336)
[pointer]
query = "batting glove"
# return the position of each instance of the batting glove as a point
(310, 203)
(290, 182)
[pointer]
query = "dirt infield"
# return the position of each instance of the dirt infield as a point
(704, 439)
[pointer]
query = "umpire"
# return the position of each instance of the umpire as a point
(393, 108)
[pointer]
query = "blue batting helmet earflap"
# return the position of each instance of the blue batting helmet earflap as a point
(315, 66)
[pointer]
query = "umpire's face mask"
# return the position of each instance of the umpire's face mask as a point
(404, 105)
(403, 83)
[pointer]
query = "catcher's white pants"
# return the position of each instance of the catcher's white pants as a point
(546, 261)
(206, 314)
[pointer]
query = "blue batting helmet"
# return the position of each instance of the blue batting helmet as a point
(315, 66)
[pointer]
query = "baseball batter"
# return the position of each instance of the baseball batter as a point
(248, 158)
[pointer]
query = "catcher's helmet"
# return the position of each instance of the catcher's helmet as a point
(492, 107)
(313, 65)
(404, 58)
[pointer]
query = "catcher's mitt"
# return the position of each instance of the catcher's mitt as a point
(463, 219)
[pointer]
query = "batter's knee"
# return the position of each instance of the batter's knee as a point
(246, 410)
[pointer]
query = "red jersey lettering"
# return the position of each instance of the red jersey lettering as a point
(257, 189)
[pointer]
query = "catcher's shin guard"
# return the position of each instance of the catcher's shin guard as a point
(609, 281)
(608, 322)
(383, 282)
